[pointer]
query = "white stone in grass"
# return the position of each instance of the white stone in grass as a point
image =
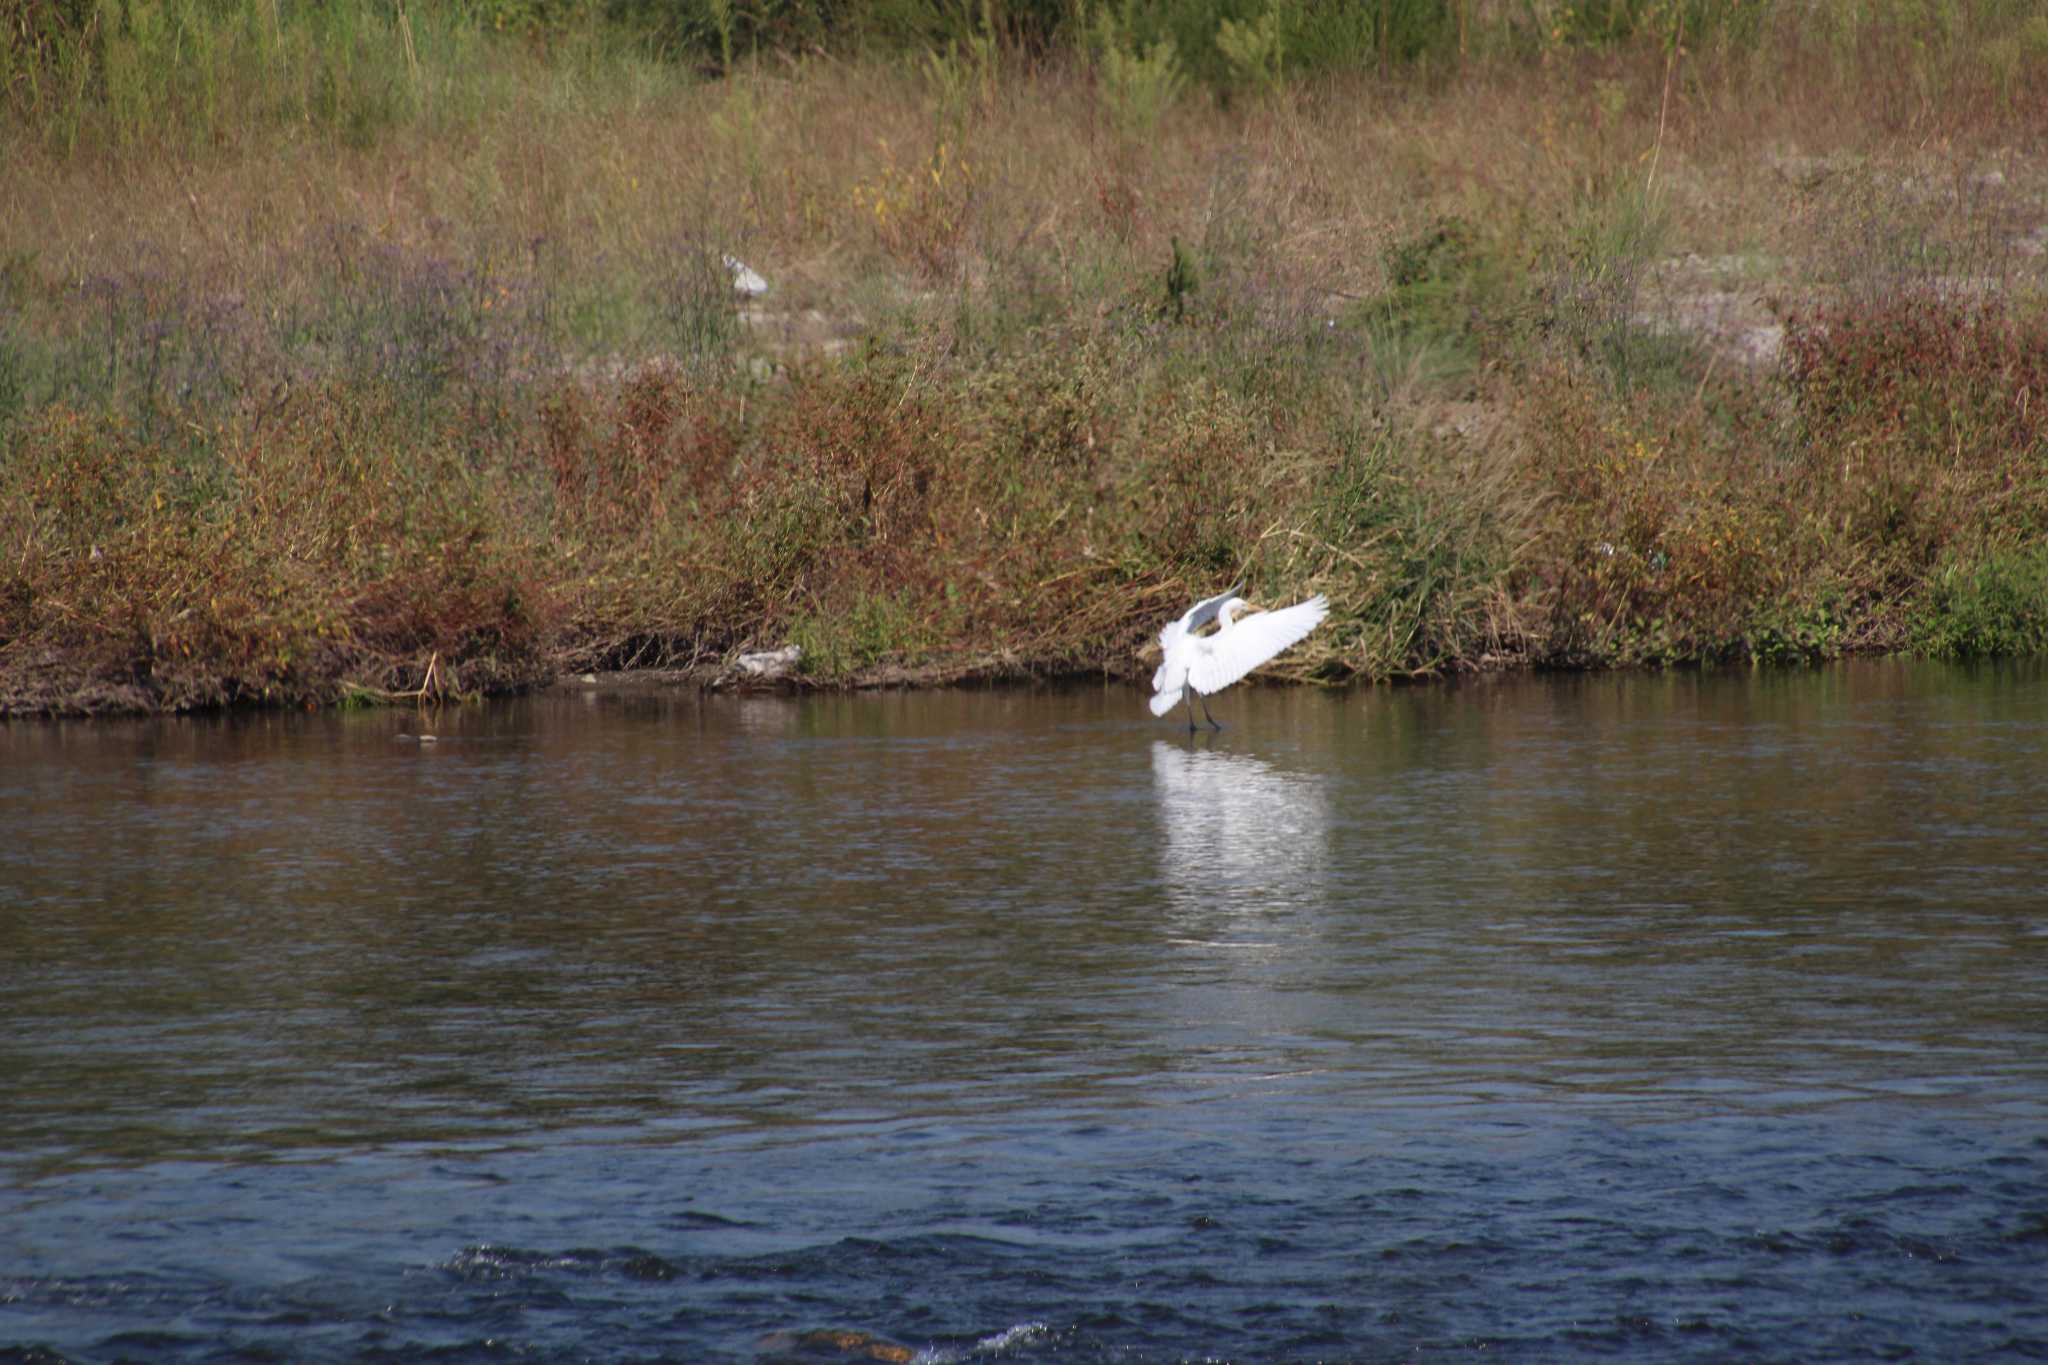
(769, 664)
(745, 281)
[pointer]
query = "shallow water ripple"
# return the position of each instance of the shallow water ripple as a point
(1682, 1017)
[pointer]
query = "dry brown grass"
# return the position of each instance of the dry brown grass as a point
(789, 160)
(1033, 457)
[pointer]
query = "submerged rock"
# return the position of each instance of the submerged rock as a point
(835, 1344)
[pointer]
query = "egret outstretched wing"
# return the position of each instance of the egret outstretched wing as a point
(1220, 660)
(1166, 700)
(1197, 616)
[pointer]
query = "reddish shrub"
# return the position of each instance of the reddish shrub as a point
(1943, 379)
(658, 447)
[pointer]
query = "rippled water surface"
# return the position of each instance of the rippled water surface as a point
(1676, 1016)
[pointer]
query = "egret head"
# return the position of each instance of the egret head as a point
(1228, 610)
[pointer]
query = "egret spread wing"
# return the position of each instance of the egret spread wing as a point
(1223, 658)
(1199, 615)
(1168, 668)
(1165, 701)
(1172, 666)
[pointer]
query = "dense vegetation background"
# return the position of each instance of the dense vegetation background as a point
(352, 348)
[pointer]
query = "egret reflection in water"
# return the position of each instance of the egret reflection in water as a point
(1239, 834)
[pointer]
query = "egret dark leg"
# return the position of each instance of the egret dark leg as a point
(1187, 697)
(1214, 724)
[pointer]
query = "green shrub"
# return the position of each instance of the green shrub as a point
(1991, 605)
(1136, 81)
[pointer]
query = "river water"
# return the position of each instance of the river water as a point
(1681, 1016)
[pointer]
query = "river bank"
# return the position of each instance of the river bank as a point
(1595, 356)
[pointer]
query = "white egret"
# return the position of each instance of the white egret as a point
(1196, 665)
(745, 281)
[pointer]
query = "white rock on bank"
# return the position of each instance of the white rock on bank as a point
(768, 665)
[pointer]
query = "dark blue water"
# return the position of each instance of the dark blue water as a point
(1672, 1017)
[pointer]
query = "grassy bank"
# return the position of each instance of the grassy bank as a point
(1544, 345)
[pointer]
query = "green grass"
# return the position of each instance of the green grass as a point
(1984, 605)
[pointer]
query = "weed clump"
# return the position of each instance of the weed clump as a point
(285, 565)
